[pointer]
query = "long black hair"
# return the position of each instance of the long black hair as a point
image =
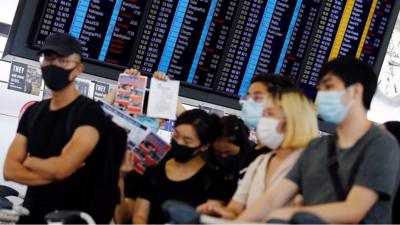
(236, 132)
(206, 126)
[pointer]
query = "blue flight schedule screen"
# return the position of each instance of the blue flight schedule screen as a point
(219, 45)
(107, 29)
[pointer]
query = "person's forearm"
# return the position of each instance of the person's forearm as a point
(48, 168)
(20, 174)
(122, 214)
(229, 214)
(338, 213)
(257, 211)
(138, 219)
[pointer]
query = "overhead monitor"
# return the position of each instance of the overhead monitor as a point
(214, 47)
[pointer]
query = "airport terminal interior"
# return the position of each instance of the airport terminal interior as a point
(199, 111)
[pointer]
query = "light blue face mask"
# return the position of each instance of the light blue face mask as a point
(330, 106)
(152, 123)
(251, 113)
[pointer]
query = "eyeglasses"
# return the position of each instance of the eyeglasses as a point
(56, 60)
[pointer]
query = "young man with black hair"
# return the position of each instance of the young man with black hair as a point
(55, 159)
(252, 108)
(350, 177)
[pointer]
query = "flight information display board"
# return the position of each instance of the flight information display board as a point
(211, 47)
(346, 28)
(219, 45)
(155, 32)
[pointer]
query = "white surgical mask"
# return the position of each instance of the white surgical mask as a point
(267, 133)
(251, 113)
(330, 106)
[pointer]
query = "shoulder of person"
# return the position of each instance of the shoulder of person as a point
(383, 140)
(91, 105)
(316, 144)
(35, 107)
(257, 161)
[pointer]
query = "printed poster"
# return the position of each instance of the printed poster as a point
(25, 78)
(130, 93)
(148, 147)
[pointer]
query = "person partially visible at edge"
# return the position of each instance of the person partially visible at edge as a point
(288, 124)
(252, 108)
(394, 128)
(365, 158)
(55, 164)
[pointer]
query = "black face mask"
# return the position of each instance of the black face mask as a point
(182, 153)
(56, 78)
(230, 163)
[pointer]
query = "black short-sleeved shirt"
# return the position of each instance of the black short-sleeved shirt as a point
(379, 171)
(132, 184)
(206, 184)
(46, 138)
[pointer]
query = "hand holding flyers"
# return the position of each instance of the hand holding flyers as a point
(163, 98)
(130, 93)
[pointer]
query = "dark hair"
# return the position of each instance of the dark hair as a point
(352, 71)
(235, 131)
(274, 82)
(394, 128)
(206, 125)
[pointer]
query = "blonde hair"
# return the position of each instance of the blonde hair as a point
(301, 119)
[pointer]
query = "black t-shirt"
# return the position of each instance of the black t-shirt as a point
(206, 184)
(132, 183)
(46, 138)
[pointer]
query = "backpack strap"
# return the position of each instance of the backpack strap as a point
(334, 169)
(340, 191)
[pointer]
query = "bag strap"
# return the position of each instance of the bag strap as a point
(340, 191)
(334, 169)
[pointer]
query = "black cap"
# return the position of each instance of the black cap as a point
(61, 44)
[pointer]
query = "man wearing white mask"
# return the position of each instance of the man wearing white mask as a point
(350, 177)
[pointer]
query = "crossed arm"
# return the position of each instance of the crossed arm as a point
(14, 169)
(29, 170)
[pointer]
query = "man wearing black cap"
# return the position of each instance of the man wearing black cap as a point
(55, 158)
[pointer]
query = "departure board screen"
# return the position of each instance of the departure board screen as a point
(106, 28)
(179, 51)
(156, 27)
(346, 28)
(376, 30)
(212, 44)
(280, 37)
(292, 54)
(219, 45)
(240, 45)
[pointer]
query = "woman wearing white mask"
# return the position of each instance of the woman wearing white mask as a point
(288, 124)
